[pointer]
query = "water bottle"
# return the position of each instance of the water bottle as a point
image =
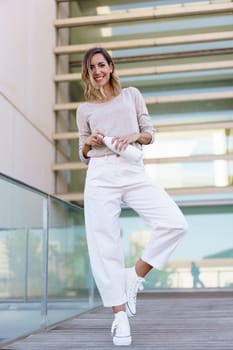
(131, 153)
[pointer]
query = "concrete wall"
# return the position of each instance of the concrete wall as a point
(27, 94)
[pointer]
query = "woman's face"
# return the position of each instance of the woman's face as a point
(100, 70)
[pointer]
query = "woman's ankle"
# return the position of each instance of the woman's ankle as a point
(142, 268)
(118, 308)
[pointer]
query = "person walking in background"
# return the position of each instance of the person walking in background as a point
(195, 271)
(112, 180)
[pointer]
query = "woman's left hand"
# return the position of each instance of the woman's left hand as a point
(121, 142)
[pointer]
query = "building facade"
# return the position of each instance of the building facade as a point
(178, 53)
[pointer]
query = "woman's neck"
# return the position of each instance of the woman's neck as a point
(106, 95)
(108, 92)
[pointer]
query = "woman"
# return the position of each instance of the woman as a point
(112, 180)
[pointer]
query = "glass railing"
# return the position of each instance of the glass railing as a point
(203, 259)
(45, 274)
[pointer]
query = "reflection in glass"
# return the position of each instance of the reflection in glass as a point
(25, 306)
(206, 245)
(69, 276)
(21, 228)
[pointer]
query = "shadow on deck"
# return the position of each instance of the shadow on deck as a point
(164, 321)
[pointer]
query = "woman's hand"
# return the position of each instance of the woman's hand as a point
(95, 139)
(121, 142)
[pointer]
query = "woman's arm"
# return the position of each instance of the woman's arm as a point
(86, 148)
(95, 139)
(87, 138)
(144, 120)
(144, 138)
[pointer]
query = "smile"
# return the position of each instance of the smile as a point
(99, 78)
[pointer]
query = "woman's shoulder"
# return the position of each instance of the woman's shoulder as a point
(83, 107)
(82, 110)
(132, 92)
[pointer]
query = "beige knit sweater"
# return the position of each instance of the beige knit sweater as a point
(125, 114)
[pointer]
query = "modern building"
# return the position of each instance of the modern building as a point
(178, 53)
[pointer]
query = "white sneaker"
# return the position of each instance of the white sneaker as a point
(133, 285)
(121, 329)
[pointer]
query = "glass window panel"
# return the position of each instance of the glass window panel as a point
(188, 117)
(191, 112)
(195, 79)
(198, 174)
(171, 49)
(189, 143)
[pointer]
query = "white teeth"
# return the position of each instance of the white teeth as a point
(99, 78)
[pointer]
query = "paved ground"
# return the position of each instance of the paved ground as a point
(172, 321)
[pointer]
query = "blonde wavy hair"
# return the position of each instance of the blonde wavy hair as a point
(92, 91)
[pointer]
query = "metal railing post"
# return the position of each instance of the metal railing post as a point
(44, 267)
(26, 265)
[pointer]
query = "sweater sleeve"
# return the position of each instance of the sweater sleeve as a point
(84, 131)
(144, 119)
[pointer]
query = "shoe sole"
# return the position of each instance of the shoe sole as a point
(122, 341)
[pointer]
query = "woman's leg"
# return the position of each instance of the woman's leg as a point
(102, 210)
(118, 308)
(168, 225)
(158, 210)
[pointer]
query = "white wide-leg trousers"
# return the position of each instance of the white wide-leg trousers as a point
(110, 181)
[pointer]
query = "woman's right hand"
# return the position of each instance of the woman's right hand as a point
(95, 139)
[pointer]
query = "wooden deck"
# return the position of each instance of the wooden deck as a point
(168, 321)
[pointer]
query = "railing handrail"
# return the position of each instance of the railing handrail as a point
(38, 191)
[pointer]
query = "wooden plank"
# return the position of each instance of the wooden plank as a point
(195, 126)
(72, 135)
(69, 166)
(178, 68)
(164, 160)
(205, 96)
(146, 14)
(78, 196)
(189, 159)
(199, 190)
(164, 321)
(70, 197)
(165, 56)
(147, 42)
(161, 128)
